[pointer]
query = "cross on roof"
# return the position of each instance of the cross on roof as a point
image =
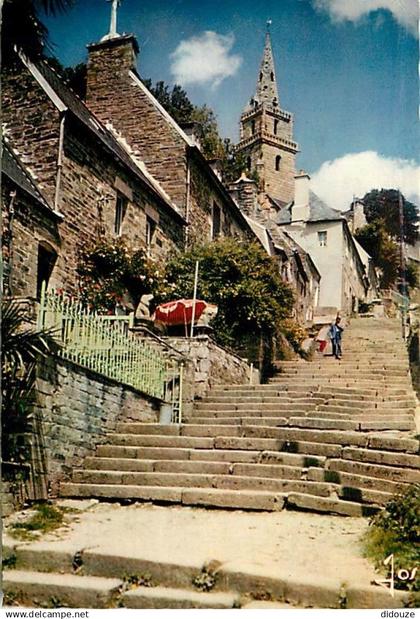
(113, 22)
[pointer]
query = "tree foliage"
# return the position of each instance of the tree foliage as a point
(382, 234)
(22, 27)
(242, 280)
(383, 208)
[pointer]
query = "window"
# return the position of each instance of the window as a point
(276, 126)
(216, 221)
(278, 162)
(46, 261)
(272, 76)
(120, 210)
(261, 76)
(248, 163)
(322, 238)
(150, 231)
(253, 127)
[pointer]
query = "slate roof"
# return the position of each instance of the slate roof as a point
(14, 169)
(66, 99)
(318, 211)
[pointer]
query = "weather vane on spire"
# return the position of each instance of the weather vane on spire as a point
(113, 23)
(269, 22)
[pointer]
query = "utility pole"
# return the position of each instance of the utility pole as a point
(403, 275)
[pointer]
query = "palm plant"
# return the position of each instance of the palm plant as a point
(23, 29)
(21, 347)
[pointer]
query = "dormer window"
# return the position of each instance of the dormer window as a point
(272, 76)
(261, 76)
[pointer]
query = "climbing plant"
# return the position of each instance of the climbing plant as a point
(112, 274)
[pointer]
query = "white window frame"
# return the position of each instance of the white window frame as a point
(322, 238)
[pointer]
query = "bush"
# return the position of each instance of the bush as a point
(242, 280)
(396, 530)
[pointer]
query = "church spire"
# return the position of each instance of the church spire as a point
(266, 91)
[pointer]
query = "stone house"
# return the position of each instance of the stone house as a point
(90, 180)
(295, 264)
(30, 235)
(324, 233)
(117, 95)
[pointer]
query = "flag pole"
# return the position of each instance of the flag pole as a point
(194, 298)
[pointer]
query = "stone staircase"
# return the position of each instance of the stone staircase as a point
(327, 435)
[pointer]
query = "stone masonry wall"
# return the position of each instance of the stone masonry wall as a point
(212, 366)
(116, 98)
(75, 409)
(33, 125)
(22, 233)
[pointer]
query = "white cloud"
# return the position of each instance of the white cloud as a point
(406, 12)
(205, 59)
(336, 182)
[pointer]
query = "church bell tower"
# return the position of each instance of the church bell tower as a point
(266, 134)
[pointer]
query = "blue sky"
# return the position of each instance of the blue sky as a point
(348, 74)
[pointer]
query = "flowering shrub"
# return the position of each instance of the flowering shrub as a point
(112, 274)
(293, 332)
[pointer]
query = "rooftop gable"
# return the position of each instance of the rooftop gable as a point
(67, 101)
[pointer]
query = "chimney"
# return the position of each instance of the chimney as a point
(194, 130)
(109, 63)
(244, 191)
(300, 208)
(358, 215)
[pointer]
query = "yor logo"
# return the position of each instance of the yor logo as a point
(403, 575)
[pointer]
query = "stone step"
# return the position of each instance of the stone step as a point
(245, 406)
(203, 467)
(252, 399)
(312, 399)
(310, 502)
(381, 457)
(340, 372)
(313, 387)
(195, 480)
(398, 474)
(66, 590)
(168, 598)
(349, 480)
(240, 499)
(258, 438)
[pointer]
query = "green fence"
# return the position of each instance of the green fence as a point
(105, 344)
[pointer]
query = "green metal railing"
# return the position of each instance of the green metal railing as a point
(106, 345)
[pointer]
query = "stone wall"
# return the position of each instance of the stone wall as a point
(26, 226)
(212, 366)
(75, 409)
